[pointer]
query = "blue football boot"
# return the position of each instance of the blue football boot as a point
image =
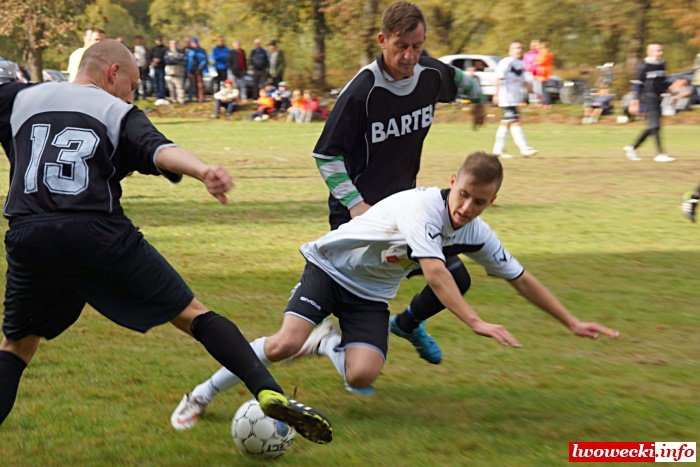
(427, 347)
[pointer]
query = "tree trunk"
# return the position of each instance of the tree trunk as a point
(639, 37)
(369, 50)
(34, 60)
(320, 28)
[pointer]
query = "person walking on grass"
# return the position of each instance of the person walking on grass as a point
(69, 242)
(647, 89)
(510, 80)
(354, 271)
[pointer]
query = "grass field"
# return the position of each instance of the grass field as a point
(603, 233)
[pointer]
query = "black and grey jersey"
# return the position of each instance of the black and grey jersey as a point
(70, 145)
(651, 79)
(378, 125)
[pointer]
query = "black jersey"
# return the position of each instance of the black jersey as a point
(70, 145)
(651, 79)
(378, 126)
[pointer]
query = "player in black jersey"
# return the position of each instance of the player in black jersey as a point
(69, 242)
(647, 88)
(690, 203)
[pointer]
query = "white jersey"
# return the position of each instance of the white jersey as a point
(511, 74)
(371, 254)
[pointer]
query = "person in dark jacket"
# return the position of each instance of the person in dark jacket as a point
(238, 65)
(260, 61)
(647, 88)
(158, 64)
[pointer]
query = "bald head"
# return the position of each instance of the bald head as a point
(109, 65)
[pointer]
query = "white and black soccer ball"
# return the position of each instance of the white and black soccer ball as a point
(257, 434)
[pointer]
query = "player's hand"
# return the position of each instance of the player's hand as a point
(633, 108)
(496, 331)
(218, 182)
(494, 99)
(359, 209)
(593, 330)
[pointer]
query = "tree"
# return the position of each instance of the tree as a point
(35, 25)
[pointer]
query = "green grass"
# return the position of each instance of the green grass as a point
(603, 233)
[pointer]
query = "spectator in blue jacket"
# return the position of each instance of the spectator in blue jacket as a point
(220, 54)
(195, 68)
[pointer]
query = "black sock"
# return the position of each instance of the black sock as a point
(11, 368)
(226, 344)
(426, 304)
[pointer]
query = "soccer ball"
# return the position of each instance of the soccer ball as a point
(257, 434)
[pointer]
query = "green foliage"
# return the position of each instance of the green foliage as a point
(113, 18)
(603, 233)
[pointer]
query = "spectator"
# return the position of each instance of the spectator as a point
(529, 67)
(91, 36)
(158, 64)
(175, 60)
(195, 67)
(313, 107)
(226, 96)
(600, 105)
(141, 55)
(260, 62)
(543, 71)
(277, 63)
(266, 105)
(298, 107)
(220, 54)
(238, 65)
(680, 93)
(282, 97)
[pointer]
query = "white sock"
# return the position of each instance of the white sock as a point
(500, 143)
(223, 380)
(328, 347)
(519, 137)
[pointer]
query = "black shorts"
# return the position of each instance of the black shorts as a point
(652, 105)
(510, 114)
(58, 262)
(362, 322)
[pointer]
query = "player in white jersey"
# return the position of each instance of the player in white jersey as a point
(354, 271)
(510, 80)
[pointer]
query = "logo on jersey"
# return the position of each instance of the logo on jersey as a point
(502, 255)
(432, 231)
(403, 125)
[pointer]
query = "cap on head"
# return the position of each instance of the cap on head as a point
(282, 83)
(272, 42)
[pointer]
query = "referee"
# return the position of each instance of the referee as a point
(69, 242)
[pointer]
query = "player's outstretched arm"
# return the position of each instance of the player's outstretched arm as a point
(532, 289)
(180, 161)
(443, 284)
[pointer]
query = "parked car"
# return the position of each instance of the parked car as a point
(485, 66)
(11, 72)
(54, 75)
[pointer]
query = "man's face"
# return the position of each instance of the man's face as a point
(221, 42)
(655, 51)
(401, 52)
(467, 199)
(173, 44)
(515, 50)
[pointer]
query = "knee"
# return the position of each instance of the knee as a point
(279, 348)
(360, 378)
